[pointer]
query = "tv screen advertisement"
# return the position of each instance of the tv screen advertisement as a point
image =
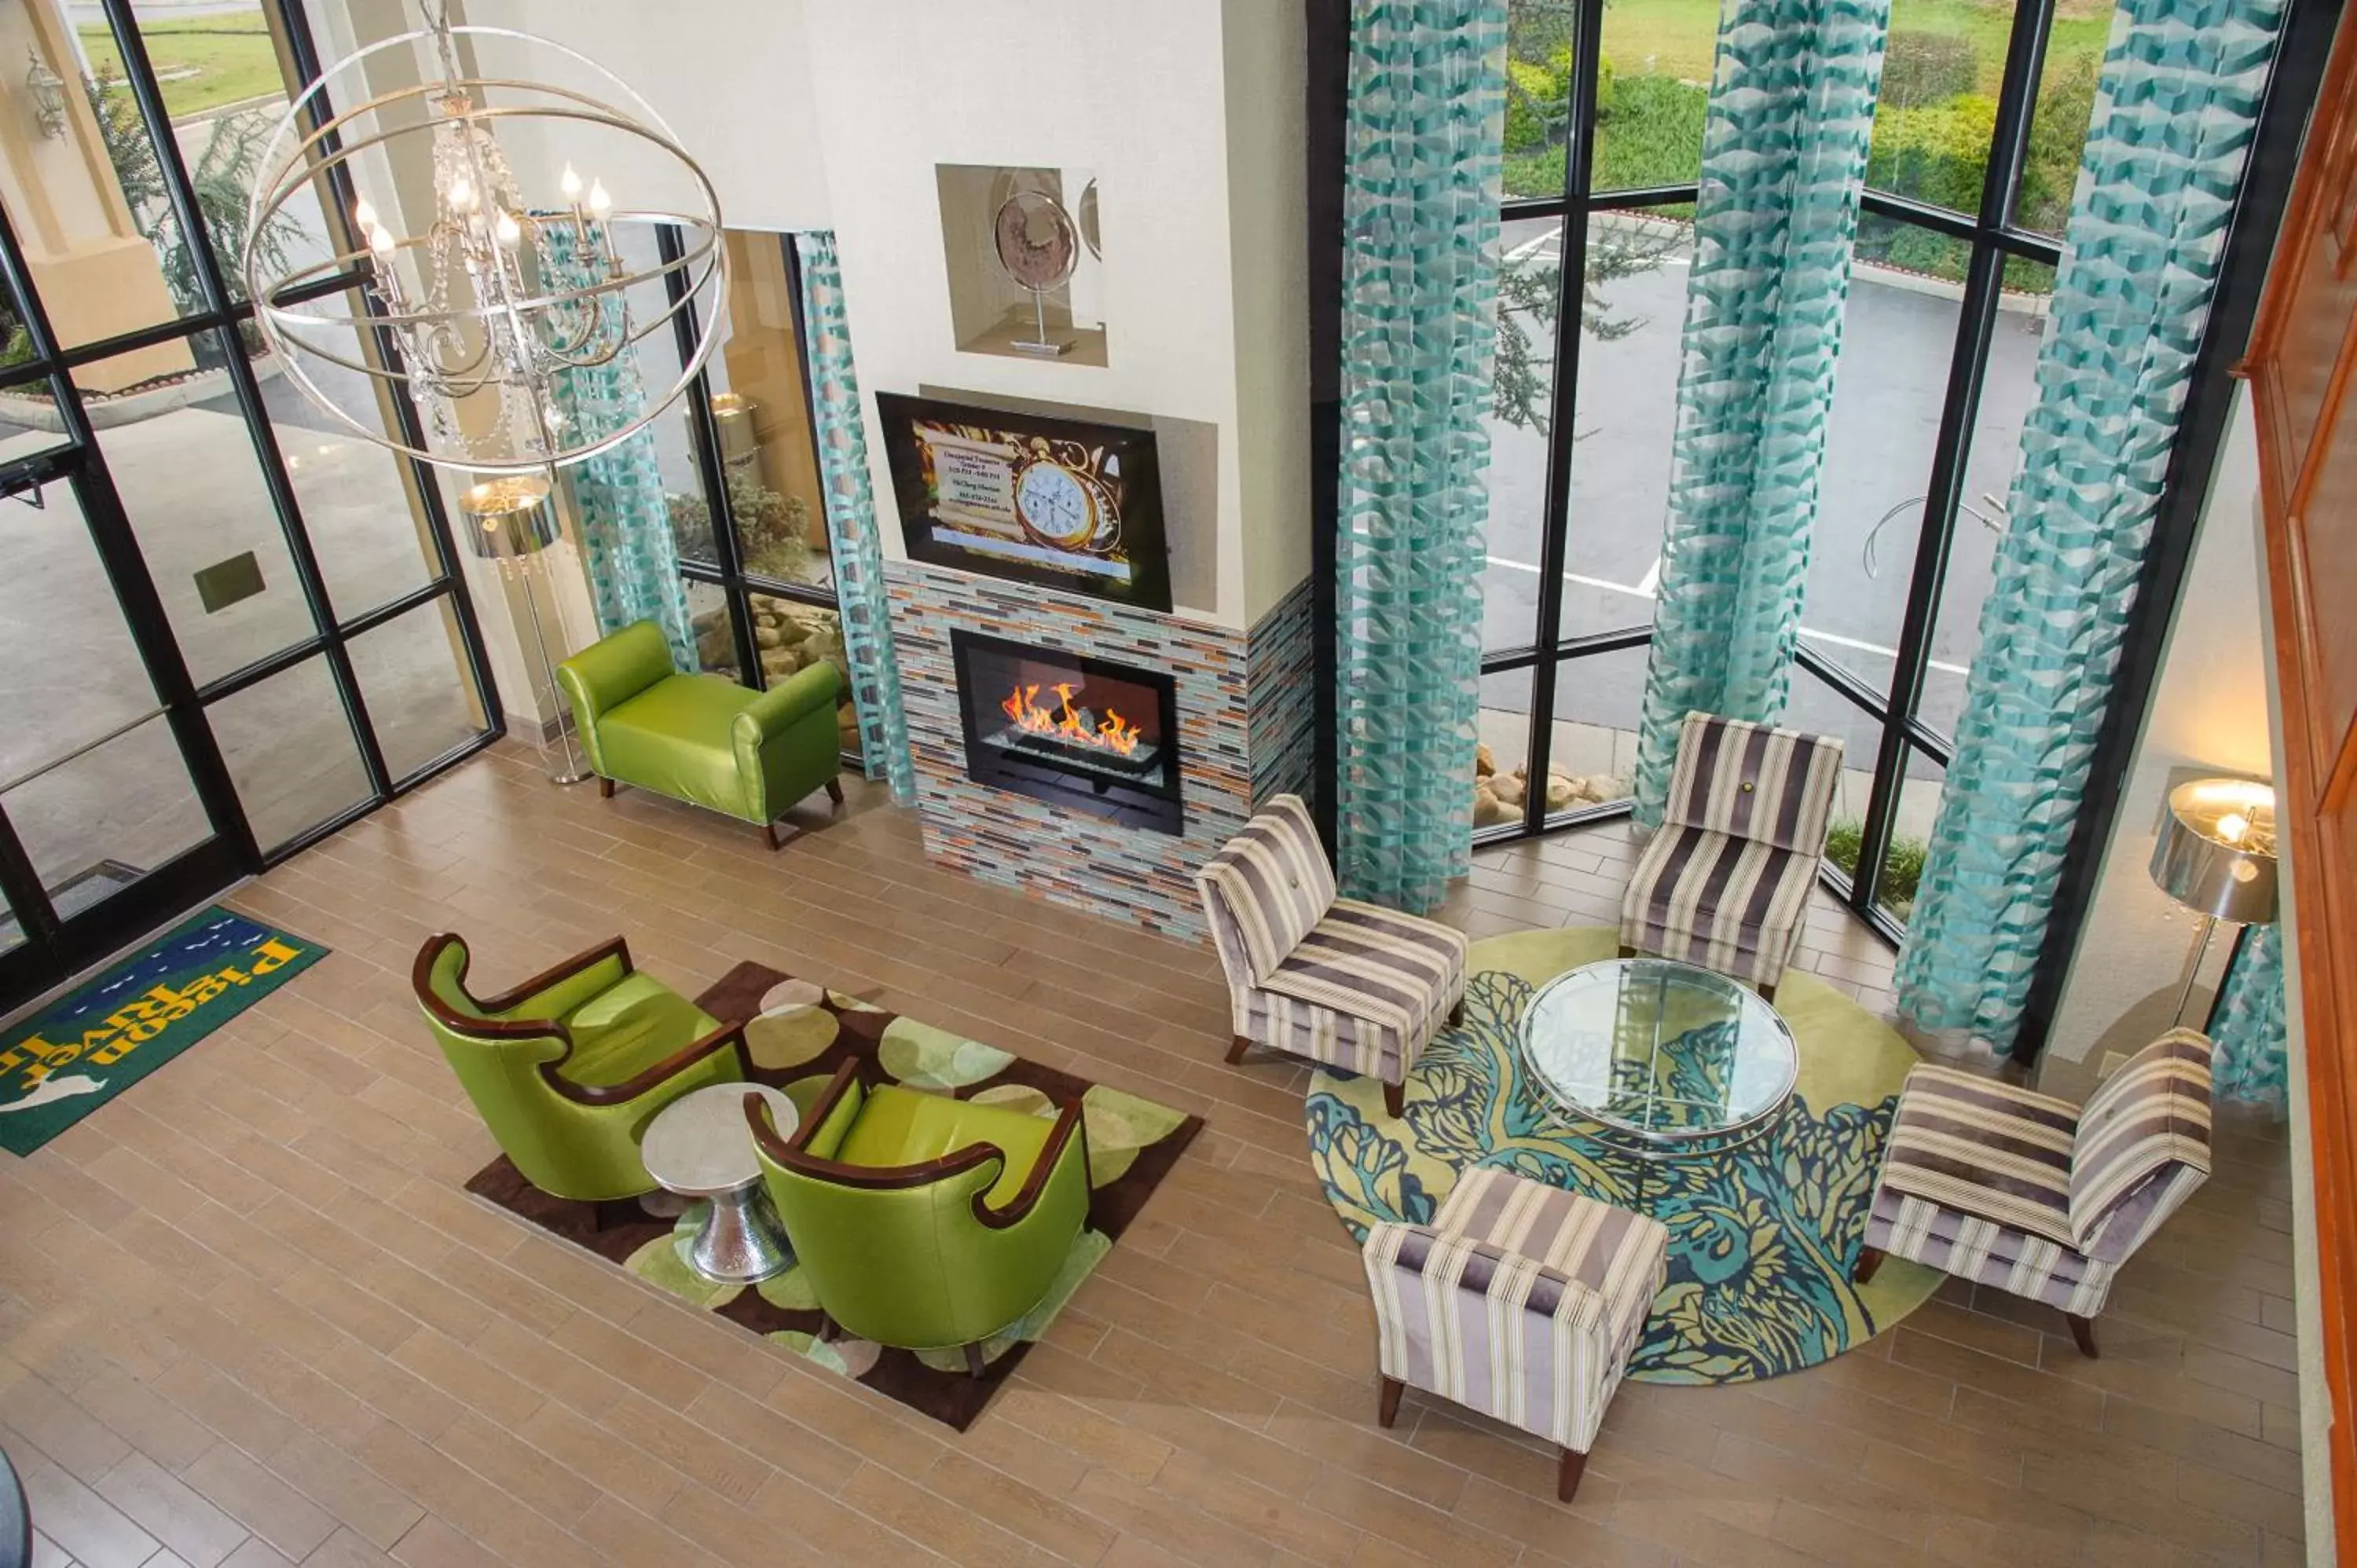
(1063, 503)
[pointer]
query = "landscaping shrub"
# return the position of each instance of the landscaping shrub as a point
(2057, 134)
(1902, 865)
(1537, 106)
(1921, 67)
(1652, 135)
(1938, 153)
(1842, 841)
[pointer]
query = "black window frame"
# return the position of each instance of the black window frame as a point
(57, 949)
(1994, 238)
(727, 571)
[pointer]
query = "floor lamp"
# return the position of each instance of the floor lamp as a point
(509, 524)
(2216, 856)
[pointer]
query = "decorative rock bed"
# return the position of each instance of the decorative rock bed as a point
(1499, 797)
(789, 636)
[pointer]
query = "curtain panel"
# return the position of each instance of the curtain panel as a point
(1419, 323)
(863, 601)
(2176, 109)
(618, 495)
(1784, 155)
(2251, 1062)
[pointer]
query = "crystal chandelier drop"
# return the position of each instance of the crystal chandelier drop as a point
(507, 310)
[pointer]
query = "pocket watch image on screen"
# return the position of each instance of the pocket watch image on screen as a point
(1064, 506)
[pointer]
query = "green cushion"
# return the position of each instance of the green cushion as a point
(626, 1029)
(905, 1127)
(674, 738)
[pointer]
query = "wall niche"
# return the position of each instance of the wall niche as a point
(990, 312)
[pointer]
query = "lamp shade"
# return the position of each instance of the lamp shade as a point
(510, 517)
(2216, 853)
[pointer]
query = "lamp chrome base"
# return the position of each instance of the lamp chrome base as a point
(570, 776)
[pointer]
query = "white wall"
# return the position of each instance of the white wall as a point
(1140, 95)
(1268, 200)
(2209, 710)
(729, 76)
(834, 114)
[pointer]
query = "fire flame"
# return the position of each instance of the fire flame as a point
(1115, 734)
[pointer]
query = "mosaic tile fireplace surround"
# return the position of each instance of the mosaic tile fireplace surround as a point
(1240, 715)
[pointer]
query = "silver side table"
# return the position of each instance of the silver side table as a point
(700, 1146)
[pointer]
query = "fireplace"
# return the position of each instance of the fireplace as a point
(1070, 729)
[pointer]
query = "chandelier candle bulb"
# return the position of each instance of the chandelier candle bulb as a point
(506, 302)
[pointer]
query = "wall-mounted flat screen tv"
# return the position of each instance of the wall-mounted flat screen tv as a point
(1064, 503)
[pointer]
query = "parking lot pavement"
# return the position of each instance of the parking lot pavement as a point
(1893, 376)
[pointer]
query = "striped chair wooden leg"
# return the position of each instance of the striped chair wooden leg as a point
(1520, 1301)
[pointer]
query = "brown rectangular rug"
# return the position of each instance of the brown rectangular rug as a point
(798, 1034)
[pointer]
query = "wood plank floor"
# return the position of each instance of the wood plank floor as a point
(185, 1381)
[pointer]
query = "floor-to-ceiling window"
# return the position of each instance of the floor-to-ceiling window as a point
(227, 625)
(1977, 136)
(740, 460)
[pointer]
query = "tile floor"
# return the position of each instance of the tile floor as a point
(185, 1378)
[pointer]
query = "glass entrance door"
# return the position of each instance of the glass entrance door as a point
(102, 817)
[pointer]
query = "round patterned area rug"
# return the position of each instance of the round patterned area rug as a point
(1761, 1240)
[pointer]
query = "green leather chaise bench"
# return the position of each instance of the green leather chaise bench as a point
(702, 738)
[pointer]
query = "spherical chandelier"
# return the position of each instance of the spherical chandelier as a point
(510, 306)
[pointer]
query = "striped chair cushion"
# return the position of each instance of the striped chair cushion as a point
(2143, 1145)
(1984, 1149)
(1267, 887)
(1609, 1249)
(1730, 904)
(1986, 1252)
(1373, 964)
(1531, 1315)
(1321, 1034)
(1754, 781)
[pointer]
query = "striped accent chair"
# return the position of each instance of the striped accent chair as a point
(1520, 1300)
(1342, 983)
(2036, 1196)
(1726, 882)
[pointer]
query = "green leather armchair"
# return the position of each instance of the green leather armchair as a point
(925, 1222)
(702, 738)
(567, 1070)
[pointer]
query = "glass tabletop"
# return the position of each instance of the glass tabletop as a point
(1662, 1050)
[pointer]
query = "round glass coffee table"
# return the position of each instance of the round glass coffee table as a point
(1665, 1059)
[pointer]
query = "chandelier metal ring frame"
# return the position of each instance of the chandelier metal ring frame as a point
(512, 314)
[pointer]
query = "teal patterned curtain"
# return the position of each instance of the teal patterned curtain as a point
(1419, 327)
(633, 564)
(1783, 166)
(861, 599)
(2175, 112)
(2253, 1059)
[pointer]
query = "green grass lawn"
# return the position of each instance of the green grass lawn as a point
(1677, 37)
(231, 57)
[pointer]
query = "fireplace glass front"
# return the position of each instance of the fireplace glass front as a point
(1077, 731)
